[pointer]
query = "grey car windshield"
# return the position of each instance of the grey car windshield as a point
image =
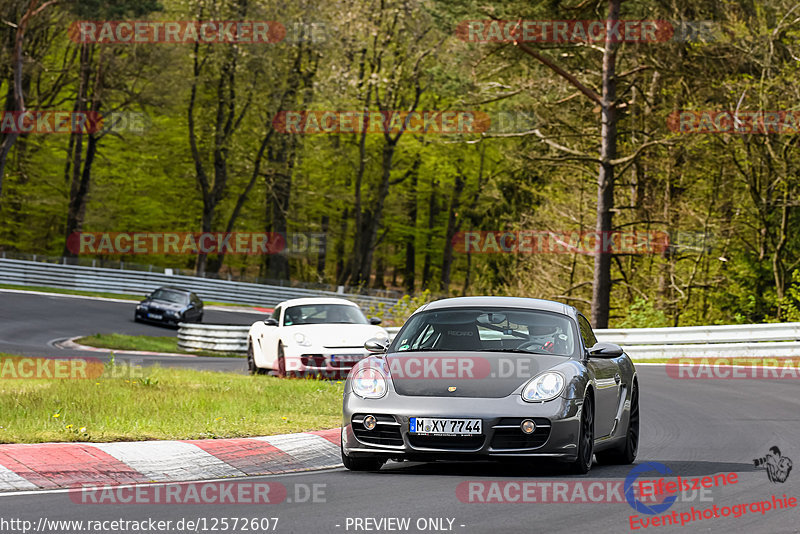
(170, 296)
(488, 330)
(323, 313)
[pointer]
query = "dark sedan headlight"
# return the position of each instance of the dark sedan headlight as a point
(173, 313)
(545, 387)
(369, 383)
(141, 307)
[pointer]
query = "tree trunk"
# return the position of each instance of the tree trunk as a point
(601, 283)
(409, 272)
(452, 227)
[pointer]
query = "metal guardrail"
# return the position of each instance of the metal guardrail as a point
(30, 273)
(702, 334)
(213, 337)
(772, 340)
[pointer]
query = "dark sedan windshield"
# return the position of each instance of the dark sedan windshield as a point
(170, 296)
(488, 330)
(324, 313)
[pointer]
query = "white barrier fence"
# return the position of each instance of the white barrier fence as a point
(82, 278)
(731, 341)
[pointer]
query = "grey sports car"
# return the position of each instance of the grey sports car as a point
(482, 378)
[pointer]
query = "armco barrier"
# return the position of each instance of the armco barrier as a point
(214, 337)
(30, 273)
(730, 341)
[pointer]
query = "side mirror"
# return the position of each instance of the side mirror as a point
(375, 320)
(605, 350)
(270, 322)
(378, 346)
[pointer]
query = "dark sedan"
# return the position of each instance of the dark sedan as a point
(170, 306)
(492, 378)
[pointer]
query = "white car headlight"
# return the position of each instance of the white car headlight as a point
(546, 386)
(381, 335)
(369, 383)
(301, 339)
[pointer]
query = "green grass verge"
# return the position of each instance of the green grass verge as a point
(146, 343)
(131, 403)
(64, 291)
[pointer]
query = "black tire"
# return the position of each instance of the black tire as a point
(361, 464)
(626, 454)
(251, 362)
(281, 370)
(583, 463)
(200, 318)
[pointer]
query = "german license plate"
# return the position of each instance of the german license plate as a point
(445, 427)
(346, 357)
(155, 316)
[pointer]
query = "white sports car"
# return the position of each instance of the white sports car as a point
(311, 337)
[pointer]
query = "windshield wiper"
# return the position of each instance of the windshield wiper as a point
(430, 349)
(523, 351)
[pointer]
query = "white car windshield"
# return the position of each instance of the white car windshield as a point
(323, 314)
(488, 330)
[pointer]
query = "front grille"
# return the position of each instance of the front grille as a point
(386, 432)
(313, 360)
(507, 434)
(460, 443)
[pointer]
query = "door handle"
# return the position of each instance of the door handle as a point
(617, 378)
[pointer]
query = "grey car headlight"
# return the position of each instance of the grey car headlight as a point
(369, 383)
(545, 387)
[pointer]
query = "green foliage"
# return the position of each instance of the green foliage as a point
(790, 304)
(642, 314)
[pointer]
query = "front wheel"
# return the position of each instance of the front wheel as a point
(361, 464)
(626, 454)
(281, 370)
(252, 368)
(583, 463)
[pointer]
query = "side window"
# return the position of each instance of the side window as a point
(276, 314)
(586, 332)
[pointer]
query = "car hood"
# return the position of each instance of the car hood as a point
(472, 374)
(164, 305)
(338, 335)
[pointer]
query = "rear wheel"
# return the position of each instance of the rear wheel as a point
(583, 463)
(361, 464)
(626, 454)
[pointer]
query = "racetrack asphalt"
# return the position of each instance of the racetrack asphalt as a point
(31, 323)
(696, 427)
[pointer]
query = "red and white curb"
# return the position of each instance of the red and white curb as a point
(70, 344)
(64, 465)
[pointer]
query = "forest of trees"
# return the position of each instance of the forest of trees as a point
(584, 137)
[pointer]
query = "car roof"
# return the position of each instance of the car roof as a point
(316, 300)
(173, 288)
(506, 302)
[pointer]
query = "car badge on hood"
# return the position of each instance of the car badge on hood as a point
(452, 389)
